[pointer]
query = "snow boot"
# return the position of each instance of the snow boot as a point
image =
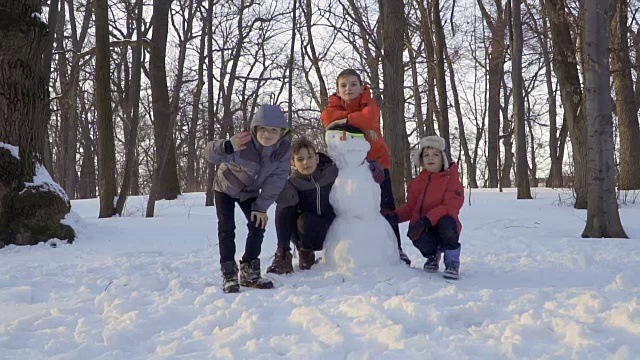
(452, 264)
(282, 263)
(250, 275)
(230, 277)
(433, 262)
(404, 257)
(307, 258)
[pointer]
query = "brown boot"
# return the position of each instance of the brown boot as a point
(282, 263)
(307, 259)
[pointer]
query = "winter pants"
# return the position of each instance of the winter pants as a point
(307, 230)
(387, 202)
(225, 209)
(443, 235)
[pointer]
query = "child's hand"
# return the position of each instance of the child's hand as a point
(239, 140)
(417, 228)
(371, 135)
(260, 218)
(376, 171)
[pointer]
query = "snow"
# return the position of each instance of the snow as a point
(136, 288)
(359, 237)
(13, 149)
(43, 179)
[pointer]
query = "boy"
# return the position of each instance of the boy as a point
(303, 211)
(352, 105)
(253, 170)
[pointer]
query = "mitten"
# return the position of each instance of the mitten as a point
(417, 228)
(377, 171)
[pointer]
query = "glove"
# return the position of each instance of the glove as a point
(376, 171)
(391, 216)
(417, 228)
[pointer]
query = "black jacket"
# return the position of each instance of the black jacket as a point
(310, 193)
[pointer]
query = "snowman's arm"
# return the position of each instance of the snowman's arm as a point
(452, 203)
(273, 184)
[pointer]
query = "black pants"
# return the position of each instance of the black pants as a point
(387, 202)
(443, 235)
(225, 209)
(306, 230)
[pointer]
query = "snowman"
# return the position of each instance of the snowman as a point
(359, 237)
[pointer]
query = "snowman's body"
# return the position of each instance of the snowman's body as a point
(359, 237)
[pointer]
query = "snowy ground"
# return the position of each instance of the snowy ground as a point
(136, 288)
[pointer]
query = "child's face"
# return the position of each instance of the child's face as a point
(349, 88)
(268, 135)
(305, 161)
(432, 159)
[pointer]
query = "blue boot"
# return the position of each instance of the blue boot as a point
(452, 264)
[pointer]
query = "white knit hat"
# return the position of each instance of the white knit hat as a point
(434, 142)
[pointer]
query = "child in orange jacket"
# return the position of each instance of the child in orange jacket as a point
(434, 200)
(352, 104)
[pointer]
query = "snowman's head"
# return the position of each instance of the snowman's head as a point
(347, 145)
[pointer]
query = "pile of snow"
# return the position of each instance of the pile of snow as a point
(136, 288)
(43, 179)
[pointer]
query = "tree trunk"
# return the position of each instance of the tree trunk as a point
(106, 145)
(393, 104)
(566, 69)
(169, 186)
(210, 105)
(441, 82)
(193, 183)
(315, 62)
(522, 167)
(496, 73)
(32, 213)
(415, 88)
(87, 183)
(603, 219)
(507, 139)
(133, 113)
(427, 38)
(626, 107)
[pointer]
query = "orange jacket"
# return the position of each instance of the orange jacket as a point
(434, 195)
(364, 114)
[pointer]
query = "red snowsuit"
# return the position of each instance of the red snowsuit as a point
(434, 195)
(363, 113)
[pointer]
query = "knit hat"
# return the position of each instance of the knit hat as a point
(434, 142)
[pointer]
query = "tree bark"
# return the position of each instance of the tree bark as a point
(209, 201)
(29, 213)
(522, 167)
(603, 219)
(626, 107)
(169, 186)
(106, 144)
(393, 104)
(496, 73)
(565, 66)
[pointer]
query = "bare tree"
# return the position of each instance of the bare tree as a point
(522, 167)
(603, 219)
(497, 27)
(565, 66)
(626, 106)
(106, 145)
(29, 213)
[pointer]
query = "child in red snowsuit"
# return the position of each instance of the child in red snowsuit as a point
(434, 200)
(352, 105)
